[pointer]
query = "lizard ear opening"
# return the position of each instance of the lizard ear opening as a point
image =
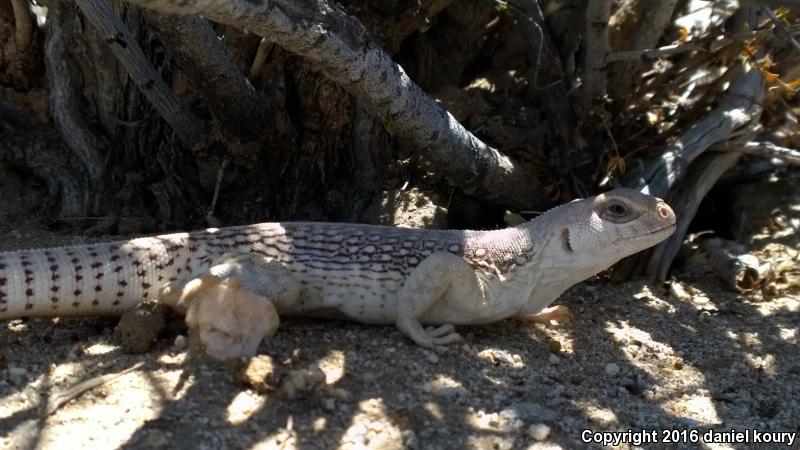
(565, 240)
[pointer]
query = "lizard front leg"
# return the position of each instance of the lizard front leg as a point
(233, 307)
(423, 292)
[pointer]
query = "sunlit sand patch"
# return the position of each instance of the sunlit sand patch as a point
(434, 410)
(788, 334)
(102, 417)
(66, 373)
(100, 348)
(698, 407)
(598, 413)
(371, 428)
(244, 406)
(333, 366)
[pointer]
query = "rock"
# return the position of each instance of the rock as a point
(139, 328)
(259, 372)
(676, 290)
(302, 381)
(529, 412)
(17, 375)
(431, 357)
(554, 346)
(612, 370)
(539, 431)
(553, 359)
(700, 299)
(180, 342)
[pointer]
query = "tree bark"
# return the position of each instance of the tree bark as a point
(189, 129)
(338, 44)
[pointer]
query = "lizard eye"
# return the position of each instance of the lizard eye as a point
(617, 209)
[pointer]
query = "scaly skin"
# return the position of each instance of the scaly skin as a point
(364, 273)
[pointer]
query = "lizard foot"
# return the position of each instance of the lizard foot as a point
(430, 336)
(229, 320)
(558, 313)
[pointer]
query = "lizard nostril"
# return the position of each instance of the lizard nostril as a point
(664, 211)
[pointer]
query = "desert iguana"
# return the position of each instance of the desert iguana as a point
(364, 273)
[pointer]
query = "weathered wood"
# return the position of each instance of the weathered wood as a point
(212, 71)
(685, 202)
(764, 149)
(27, 144)
(64, 92)
(597, 46)
(189, 129)
(655, 17)
(740, 106)
(740, 270)
(23, 24)
(338, 44)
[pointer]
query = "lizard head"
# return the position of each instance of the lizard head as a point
(611, 226)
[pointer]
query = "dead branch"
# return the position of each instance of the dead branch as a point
(742, 271)
(654, 53)
(209, 67)
(764, 149)
(23, 33)
(189, 129)
(60, 399)
(740, 106)
(338, 44)
(655, 18)
(685, 201)
(597, 46)
(780, 28)
(257, 67)
(65, 93)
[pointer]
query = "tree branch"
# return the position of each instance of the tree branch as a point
(325, 35)
(23, 24)
(211, 70)
(596, 47)
(764, 149)
(740, 106)
(189, 129)
(686, 201)
(655, 18)
(64, 92)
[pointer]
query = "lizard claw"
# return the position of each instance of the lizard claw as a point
(443, 335)
(431, 336)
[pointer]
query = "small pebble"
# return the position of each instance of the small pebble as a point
(612, 370)
(553, 359)
(539, 431)
(180, 342)
(676, 290)
(700, 299)
(329, 404)
(17, 372)
(554, 346)
(431, 357)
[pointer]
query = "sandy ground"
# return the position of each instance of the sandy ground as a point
(656, 362)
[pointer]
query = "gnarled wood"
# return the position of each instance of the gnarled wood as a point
(338, 44)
